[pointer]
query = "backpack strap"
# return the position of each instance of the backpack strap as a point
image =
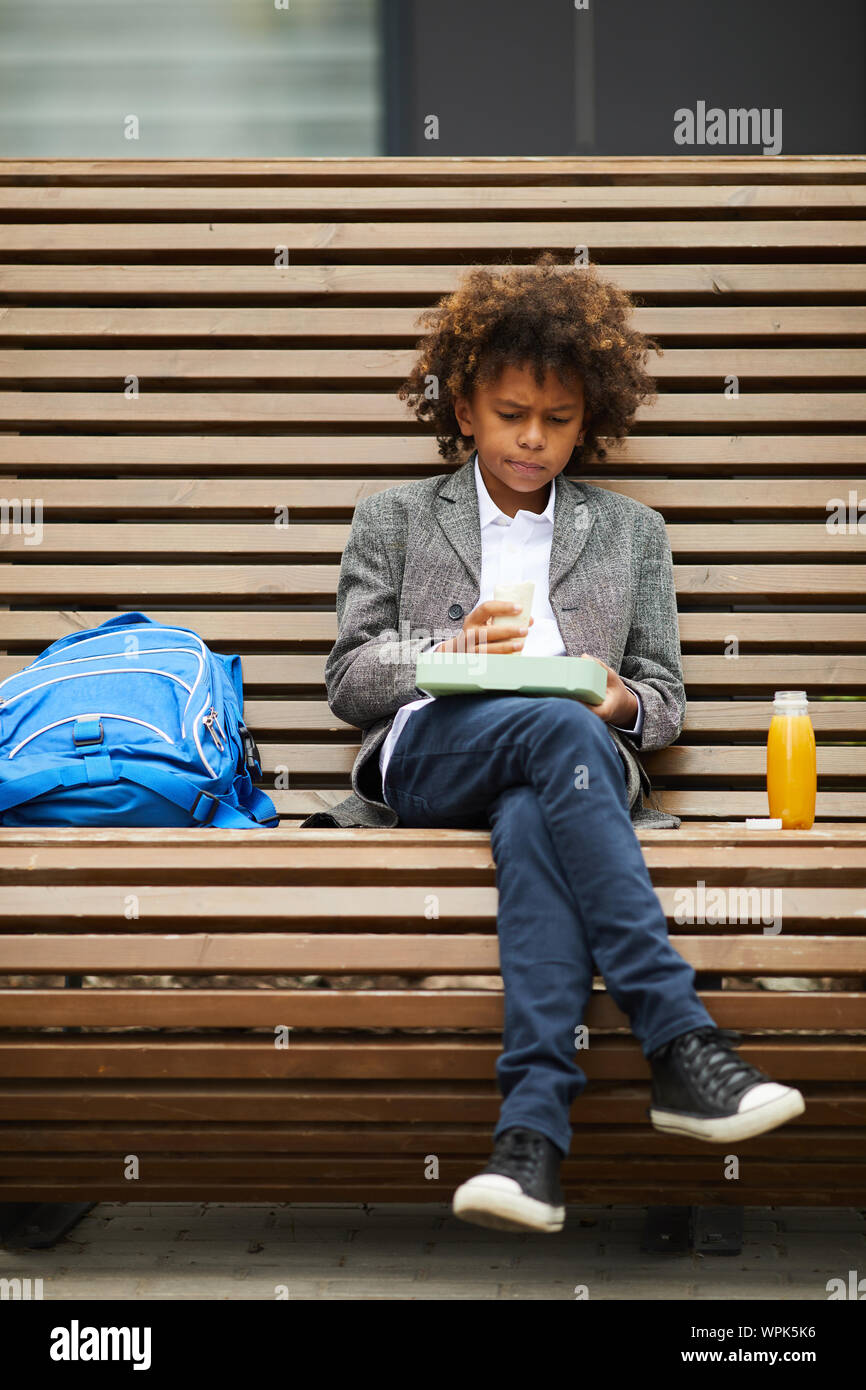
(99, 770)
(204, 807)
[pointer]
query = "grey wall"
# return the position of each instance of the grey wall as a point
(506, 77)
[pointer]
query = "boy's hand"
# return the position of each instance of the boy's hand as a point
(619, 705)
(476, 634)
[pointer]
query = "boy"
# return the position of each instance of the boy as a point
(535, 368)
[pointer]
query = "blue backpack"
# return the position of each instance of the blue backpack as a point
(130, 723)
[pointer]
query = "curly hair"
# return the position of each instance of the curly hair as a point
(544, 316)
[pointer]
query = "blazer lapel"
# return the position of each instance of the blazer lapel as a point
(573, 519)
(456, 511)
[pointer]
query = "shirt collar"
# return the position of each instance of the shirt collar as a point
(489, 512)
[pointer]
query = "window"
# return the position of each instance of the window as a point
(194, 78)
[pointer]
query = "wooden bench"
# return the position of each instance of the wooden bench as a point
(266, 395)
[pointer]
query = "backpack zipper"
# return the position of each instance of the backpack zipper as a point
(209, 720)
(79, 675)
(205, 718)
(130, 719)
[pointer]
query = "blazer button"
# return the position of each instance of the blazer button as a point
(455, 611)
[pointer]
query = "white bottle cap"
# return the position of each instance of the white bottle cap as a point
(792, 698)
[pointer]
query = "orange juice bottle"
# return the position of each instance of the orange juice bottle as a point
(792, 780)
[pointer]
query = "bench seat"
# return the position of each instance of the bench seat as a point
(385, 1063)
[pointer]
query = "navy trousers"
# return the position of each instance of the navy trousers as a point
(545, 777)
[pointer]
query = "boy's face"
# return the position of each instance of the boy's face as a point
(515, 421)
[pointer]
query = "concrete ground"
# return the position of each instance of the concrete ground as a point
(348, 1251)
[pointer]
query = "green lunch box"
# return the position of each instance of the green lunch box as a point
(477, 673)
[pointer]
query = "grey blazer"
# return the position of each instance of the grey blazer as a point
(413, 561)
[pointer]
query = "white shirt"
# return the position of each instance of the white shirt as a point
(513, 550)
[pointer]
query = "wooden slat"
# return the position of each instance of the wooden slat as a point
(130, 194)
(20, 322)
(372, 1174)
(717, 803)
(397, 1103)
(397, 1058)
(117, 854)
(376, 1008)
(720, 804)
(403, 1171)
(388, 364)
(36, 281)
(245, 408)
(709, 838)
(733, 764)
(308, 1142)
(815, 173)
(385, 905)
(694, 453)
(746, 674)
(164, 540)
(845, 763)
(31, 629)
(739, 582)
(433, 238)
(368, 953)
(805, 865)
(231, 498)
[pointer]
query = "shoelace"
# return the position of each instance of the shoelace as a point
(708, 1054)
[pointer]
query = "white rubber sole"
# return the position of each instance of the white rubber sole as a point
(492, 1199)
(782, 1103)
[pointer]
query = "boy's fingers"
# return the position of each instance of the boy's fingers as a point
(501, 642)
(496, 630)
(495, 605)
(483, 637)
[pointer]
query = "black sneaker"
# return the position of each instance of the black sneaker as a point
(703, 1088)
(519, 1189)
